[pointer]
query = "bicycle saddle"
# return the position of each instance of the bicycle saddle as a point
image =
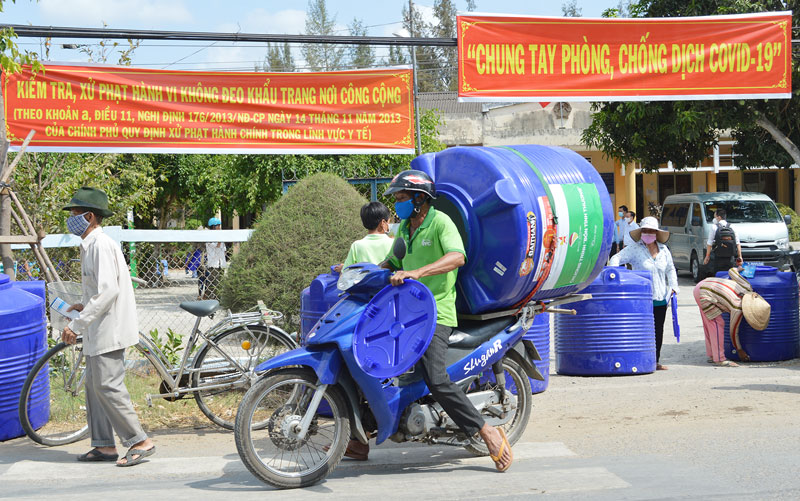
(471, 334)
(201, 308)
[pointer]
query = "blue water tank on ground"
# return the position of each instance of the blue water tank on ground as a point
(781, 339)
(613, 333)
(23, 339)
(539, 334)
(317, 299)
(505, 202)
(35, 287)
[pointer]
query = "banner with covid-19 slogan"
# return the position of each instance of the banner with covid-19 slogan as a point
(524, 58)
(123, 109)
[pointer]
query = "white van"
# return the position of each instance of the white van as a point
(753, 216)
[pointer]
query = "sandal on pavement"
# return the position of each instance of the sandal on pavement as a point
(96, 455)
(660, 367)
(727, 363)
(142, 453)
(499, 456)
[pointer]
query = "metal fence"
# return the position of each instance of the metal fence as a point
(173, 271)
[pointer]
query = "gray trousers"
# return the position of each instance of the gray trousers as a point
(108, 403)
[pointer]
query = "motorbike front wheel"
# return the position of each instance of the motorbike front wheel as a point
(267, 423)
(516, 381)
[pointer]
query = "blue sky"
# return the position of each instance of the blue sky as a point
(381, 16)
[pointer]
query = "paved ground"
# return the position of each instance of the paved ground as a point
(694, 431)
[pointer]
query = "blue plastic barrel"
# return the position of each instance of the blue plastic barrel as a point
(781, 339)
(613, 333)
(23, 339)
(505, 202)
(317, 299)
(539, 334)
(35, 287)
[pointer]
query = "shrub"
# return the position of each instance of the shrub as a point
(794, 227)
(306, 231)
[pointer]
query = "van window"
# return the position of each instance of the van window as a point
(674, 214)
(745, 211)
(697, 219)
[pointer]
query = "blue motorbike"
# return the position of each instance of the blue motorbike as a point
(354, 377)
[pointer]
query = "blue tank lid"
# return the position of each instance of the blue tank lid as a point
(14, 301)
(395, 329)
(4, 281)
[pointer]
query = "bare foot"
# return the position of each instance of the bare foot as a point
(144, 445)
(494, 442)
(660, 367)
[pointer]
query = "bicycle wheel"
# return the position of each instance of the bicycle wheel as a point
(220, 384)
(52, 405)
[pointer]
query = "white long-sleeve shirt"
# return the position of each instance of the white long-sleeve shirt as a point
(108, 321)
(661, 267)
(215, 255)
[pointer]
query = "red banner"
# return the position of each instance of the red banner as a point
(504, 58)
(120, 109)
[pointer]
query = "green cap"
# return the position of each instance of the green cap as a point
(90, 198)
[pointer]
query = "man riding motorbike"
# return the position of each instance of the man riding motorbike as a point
(434, 254)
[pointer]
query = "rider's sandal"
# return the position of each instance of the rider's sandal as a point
(142, 453)
(499, 456)
(95, 455)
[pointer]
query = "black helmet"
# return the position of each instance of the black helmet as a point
(412, 180)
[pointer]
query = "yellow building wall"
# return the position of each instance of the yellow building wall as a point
(783, 187)
(650, 187)
(699, 182)
(734, 180)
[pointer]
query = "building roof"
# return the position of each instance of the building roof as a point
(447, 102)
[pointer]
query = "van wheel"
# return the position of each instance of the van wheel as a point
(694, 267)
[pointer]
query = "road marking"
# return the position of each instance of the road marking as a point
(380, 457)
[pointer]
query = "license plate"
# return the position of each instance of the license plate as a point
(757, 263)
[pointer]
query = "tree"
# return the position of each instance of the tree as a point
(361, 56)
(447, 57)
(684, 132)
(396, 57)
(321, 57)
(570, 9)
(278, 58)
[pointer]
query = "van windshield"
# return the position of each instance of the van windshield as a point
(744, 211)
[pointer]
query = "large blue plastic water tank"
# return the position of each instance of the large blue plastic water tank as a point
(781, 339)
(503, 200)
(317, 299)
(613, 333)
(539, 334)
(35, 287)
(23, 339)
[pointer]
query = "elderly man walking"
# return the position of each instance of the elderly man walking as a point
(108, 325)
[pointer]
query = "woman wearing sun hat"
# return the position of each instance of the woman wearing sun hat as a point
(715, 296)
(649, 253)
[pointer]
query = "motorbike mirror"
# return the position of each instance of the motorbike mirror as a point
(399, 248)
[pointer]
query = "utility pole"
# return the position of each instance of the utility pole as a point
(414, 69)
(5, 200)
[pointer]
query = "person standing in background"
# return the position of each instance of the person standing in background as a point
(723, 243)
(619, 230)
(630, 225)
(215, 263)
(648, 252)
(377, 244)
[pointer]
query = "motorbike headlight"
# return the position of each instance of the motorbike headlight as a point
(783, 243)
(351, 276)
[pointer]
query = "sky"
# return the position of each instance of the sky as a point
(382, 17)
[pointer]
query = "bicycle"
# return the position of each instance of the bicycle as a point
(217, 376)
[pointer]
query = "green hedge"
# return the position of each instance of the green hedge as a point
(306, 231)
(794, 227)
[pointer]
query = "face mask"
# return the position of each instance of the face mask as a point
(627, 220)
(405, 209)
(620, 214)
(78, 224)
(648, 238)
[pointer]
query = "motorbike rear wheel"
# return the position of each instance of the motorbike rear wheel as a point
(514, 428)
(266, 425)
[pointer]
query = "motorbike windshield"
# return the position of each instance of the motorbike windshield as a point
(744, 211)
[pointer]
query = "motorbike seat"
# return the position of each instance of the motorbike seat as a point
(471, 334)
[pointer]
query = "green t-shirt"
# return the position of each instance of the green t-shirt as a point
(436, 236)
(370, 249)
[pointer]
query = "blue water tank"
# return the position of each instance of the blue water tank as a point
(539, 334)
(23, 339)
(781, 339)
(317, 299)
(35, 287)
(613, 333)
(505, 202)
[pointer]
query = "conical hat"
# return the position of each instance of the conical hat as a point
(756, 310)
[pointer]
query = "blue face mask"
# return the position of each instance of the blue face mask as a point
(78, 224)
(405, 209)
(619, 213)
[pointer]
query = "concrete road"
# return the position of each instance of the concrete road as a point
(694, 431)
